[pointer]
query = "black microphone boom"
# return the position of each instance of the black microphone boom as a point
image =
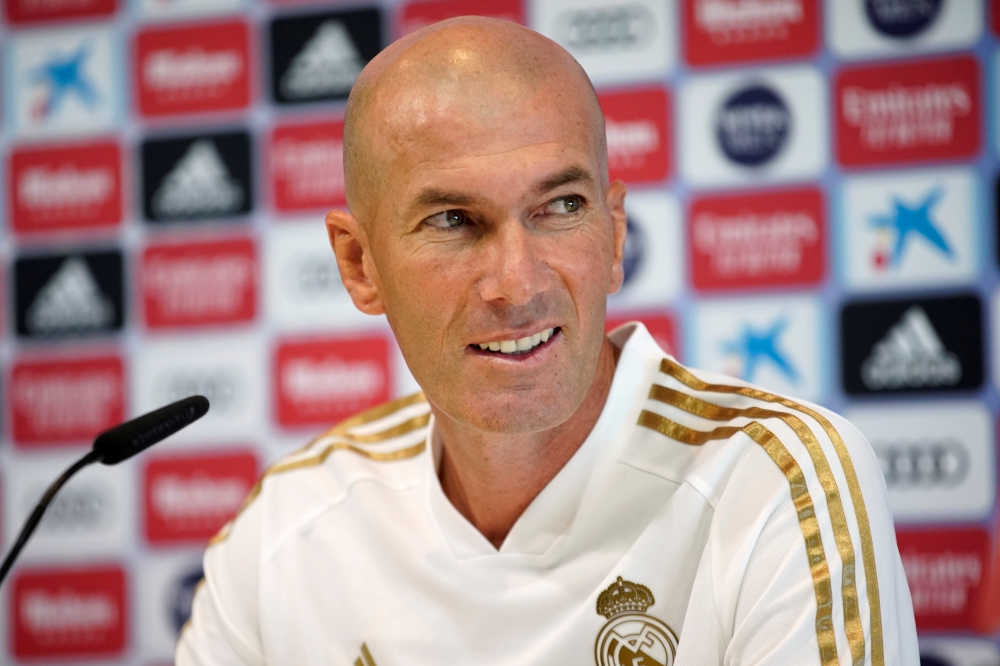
(110, 448)
(126, 440)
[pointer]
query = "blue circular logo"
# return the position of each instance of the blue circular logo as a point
(902, 19)
(635, 252)
(753, 125)
(182, 596)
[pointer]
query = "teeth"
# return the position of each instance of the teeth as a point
(524, 344)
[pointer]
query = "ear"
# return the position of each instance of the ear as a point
(619, 223)
(349, 241)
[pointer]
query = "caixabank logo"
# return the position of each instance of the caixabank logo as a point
(322, 381)
(193, 284)
(911, 112)
(228, 369)
(770, 239)
(200, 177)
(91, 517)
(307, 166)
(22, 12)
(885, 28)
(63, 81)
(937, 458)
(946, 570)
(733, 31)
(62, 295)
(767, 125)
(203, 67)
(637, 123)
(654, 252)
(616, 41)
(302, 287)
(188, 498)
(909, 229)
(912, 345)
(78, 612)
(68, 187)
(65, 400)
(775, 341)
(422, 13)
(317, 57)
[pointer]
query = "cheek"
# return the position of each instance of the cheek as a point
(586, 266)
(421, 292)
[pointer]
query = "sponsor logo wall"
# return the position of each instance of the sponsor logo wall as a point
(813, 207)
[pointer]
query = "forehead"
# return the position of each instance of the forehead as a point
(427, 130)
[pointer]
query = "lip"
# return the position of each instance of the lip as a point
(524, 357)
(515, 334)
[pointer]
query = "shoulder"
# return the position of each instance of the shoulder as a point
(717, 416)
(762, 457)
(372, 446)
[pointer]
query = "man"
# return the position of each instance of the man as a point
(554, 495)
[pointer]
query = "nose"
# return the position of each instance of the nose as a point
(513, 270)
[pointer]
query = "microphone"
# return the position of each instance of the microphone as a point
(110, 448)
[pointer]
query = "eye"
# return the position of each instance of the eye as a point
(447, 219)
(565, 205)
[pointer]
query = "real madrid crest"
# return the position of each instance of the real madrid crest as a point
(631, 637)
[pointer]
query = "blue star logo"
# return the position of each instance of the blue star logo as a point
(63, 75)
(755, 346)
(906, 221)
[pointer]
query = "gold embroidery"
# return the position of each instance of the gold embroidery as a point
(631, 636)
(682, 375)
(808, 523)
(366, 657)
(842, 536)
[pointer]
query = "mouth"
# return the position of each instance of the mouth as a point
(519, 347)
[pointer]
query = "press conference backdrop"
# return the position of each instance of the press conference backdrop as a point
(811, 208)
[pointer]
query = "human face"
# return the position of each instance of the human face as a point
(497, 232)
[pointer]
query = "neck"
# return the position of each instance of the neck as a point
(492, 478)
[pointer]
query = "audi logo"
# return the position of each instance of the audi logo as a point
(615, 27)
(923, 464)
(318, 275)
(77, 508)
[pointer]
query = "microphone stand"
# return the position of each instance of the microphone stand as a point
(110, 448)
(43, 504)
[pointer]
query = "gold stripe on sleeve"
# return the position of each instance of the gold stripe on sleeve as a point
(376, 413)
(802, 500)
(395, 431)
(340, 432)
(681, 374)
(842, 536)
(313, 461)
(367, 655)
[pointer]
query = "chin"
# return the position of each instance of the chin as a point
(518, 417)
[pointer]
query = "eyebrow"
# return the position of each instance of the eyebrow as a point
(434, 197)
(573, 174)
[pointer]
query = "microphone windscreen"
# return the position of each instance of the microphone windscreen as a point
(126, 440)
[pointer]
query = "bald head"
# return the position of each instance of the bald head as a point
(464, 79)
